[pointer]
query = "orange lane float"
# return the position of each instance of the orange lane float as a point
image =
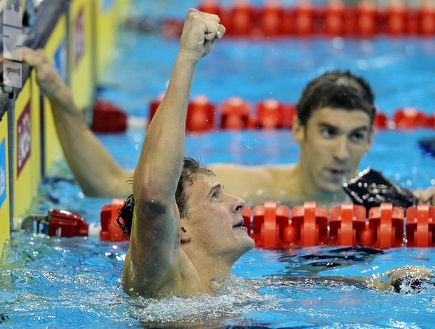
(108, 118)
(348, 225)
(268, 223)
(200, 113)
(396, 18)
(304, 14)
(235, 113)
(367, 19)
(210, 6)
(110, 230)
(303, 18)
(240, 19)
(381, 120)
(311, 224)
(430, 120)
(238, 113)
(426, 18)
(275, 226)
(272, 226)
(386, 223)
(410, 117)
(334, 18)
(271, 19)
(270, 114)
(420, 226)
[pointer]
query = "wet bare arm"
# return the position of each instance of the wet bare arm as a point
(154, 263)
(386, 281)
(95, 169)
(426, 195)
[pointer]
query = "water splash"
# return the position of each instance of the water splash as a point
(234, 297)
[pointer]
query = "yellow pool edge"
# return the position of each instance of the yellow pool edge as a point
(28, 141)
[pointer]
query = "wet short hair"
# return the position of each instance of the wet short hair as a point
(336, 89)
(191, 170)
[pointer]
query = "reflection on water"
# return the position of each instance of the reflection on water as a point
(311, 261)
(75, 282)
(46, 281)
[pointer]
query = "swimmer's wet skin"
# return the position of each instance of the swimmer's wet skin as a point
(410, 276)
(406, 279)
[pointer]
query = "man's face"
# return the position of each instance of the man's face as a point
(215, 219)
(332, 145)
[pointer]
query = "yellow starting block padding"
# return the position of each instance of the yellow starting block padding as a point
(27, 151)
(106, 19)
(122, 5)
(5, 212)
(56, 51)
(80, 52)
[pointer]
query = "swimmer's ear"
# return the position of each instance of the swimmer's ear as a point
(298, 131)
(184, 235)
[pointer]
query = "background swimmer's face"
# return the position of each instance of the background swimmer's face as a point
(332, 145)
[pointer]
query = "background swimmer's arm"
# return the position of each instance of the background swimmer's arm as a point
(390, 279)
(95, 169)
(425, 195)
(393, 277)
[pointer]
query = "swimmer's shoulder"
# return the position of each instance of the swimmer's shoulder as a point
(220, 168)
(236, 170)
(267, 175)
(283, 174)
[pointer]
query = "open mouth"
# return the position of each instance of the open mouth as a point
(337, 171)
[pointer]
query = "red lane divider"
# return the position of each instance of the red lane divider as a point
(347, 225)
(311, 224)
(110, 230)
(410, 117)
(238, 113)
(364, 19)
(200, 114)
(268, 224)
(108, 118)
(275, 226)
(386, 222)
(235, 113)
(420, 226)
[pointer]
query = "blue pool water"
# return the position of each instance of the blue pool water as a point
(75, 282)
